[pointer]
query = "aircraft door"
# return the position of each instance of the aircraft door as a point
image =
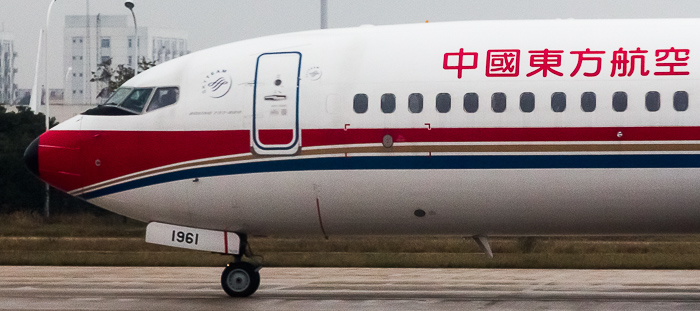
(276, 103)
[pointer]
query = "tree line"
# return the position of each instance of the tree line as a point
(19, 189)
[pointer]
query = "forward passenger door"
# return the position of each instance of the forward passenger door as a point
(276, 103)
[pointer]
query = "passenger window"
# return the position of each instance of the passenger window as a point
(680, 101)
(415, 103)
(388, 103)
(360, 103)
(620, 101)
(653, 101)
(443, 103)
(164, 96)
(137, 100)
(558, 102)
(498, 102)
(471, 102)
(527, 102)
(588, 102)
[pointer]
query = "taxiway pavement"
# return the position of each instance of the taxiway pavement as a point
(184, 288)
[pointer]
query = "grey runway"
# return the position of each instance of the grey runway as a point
(183, 288)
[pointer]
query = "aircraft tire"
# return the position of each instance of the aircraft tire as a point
(240, 279)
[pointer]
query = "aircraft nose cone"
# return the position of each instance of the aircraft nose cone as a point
(31, 157)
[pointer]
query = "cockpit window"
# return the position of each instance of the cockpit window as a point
(118, 96)
(164, 96)
(136, 100)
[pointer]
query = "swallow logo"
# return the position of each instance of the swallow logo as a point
(217, 84)
(314, 73)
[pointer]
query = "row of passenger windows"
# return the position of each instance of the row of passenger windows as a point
(443, 102)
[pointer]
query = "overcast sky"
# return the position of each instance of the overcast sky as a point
(214, 22)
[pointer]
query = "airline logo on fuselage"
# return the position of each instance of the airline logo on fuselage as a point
(217, 84)
(546, 62)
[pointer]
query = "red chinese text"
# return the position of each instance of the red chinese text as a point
(545, 61)
(624, 62)
(471, 61)
(679, 59)
(502, 63)
(588, 55)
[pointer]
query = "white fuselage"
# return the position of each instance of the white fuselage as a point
(269, 135)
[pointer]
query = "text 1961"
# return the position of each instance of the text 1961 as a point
(185, 237)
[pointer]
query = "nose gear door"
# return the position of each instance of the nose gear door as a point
(276, 103)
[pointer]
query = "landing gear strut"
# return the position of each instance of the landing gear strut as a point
(241, 279)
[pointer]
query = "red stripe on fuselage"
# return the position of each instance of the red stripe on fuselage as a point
(275, 137)
(125, 152)
(105, 155)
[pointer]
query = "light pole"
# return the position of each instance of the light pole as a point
(47, 95)
(324, 14)
(68, 82)
(130, 5)
(46, 68)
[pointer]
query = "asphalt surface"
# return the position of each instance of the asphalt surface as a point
(175, 288)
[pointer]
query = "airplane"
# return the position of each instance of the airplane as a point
(476, 128)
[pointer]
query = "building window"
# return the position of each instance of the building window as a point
(471, 102)
(129, 60)
(498, 102)
(558, 102)
(105, 59)
(620, 101)
(680, 101)
(360, 103)
(104, 43)
(443, 102)
(388, 104)
(415, 103)
(653, 101)
(129, 43)
(527, 102)
(588, 101)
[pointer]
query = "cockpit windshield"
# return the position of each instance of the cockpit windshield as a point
(131, 101)
(118, 96)
(136, 100)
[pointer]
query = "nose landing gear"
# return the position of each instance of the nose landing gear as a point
(241, 279)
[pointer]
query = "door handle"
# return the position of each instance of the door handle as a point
(276, 97)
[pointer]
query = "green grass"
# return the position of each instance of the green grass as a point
(85, 239)
(69, 225)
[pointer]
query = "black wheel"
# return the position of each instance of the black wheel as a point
(240, 279)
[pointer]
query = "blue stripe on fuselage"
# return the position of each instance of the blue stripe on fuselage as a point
(416, 163)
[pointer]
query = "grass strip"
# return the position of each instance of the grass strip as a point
(112, 240)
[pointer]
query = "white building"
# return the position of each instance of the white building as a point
(110, 37)
(8, 89)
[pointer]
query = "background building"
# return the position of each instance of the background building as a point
(8, 88)
(91, 40)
